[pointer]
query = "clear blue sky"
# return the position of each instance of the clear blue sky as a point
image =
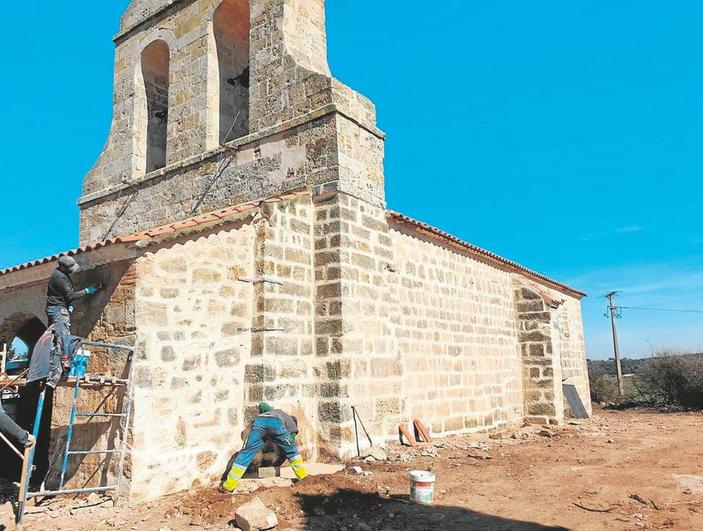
(564, 135)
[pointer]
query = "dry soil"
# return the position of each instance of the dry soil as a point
(619, 470)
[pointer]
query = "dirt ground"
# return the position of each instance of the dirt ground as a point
(619, 470)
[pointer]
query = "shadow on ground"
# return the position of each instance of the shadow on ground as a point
(370, 512)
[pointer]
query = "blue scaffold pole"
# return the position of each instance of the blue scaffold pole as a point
(37, 427)
(28, 464)
(69, 434)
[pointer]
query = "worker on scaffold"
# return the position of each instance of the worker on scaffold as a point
(60, 294)
(51, 358)
(272, 425)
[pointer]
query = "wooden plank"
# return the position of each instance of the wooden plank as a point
(10, 445)
(24, 483)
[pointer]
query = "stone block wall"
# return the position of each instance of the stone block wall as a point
(574, 368)
(188, 403)
(223, 179)
(317, 303)
(283, 366)
(457, 337)
(354, 321)
(539, 341)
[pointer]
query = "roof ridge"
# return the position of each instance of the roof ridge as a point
(402, 218)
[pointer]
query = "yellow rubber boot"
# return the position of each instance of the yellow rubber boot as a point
(233, 479)
(299, 468)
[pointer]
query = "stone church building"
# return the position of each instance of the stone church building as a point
(237, 217)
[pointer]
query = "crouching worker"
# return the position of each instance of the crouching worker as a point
(271, 425)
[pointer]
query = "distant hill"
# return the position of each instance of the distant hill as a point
(598, 368)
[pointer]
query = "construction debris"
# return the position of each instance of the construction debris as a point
(255, 516)
(421, 431)
(406, 437)
(377, 454)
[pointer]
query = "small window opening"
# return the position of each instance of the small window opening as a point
(155, 69)
(231, 26)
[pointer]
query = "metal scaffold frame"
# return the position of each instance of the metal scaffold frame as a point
(94, 381)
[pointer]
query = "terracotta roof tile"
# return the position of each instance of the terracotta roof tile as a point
(446, 237)
(184, 224)
(202, 219)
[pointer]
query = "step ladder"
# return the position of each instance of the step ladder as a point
(120, 448)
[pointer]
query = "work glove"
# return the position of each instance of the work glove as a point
(92, 290)
(31, 441)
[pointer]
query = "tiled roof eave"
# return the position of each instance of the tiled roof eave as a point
(196, 223)
(504, 263)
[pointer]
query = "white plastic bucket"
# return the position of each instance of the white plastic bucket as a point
(422, 487)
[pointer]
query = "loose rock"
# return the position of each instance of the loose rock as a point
(378, 454)
(255, 516)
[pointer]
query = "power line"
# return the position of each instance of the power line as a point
(658, 309)
(34, 230)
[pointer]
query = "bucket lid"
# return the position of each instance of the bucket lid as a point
(422, 476)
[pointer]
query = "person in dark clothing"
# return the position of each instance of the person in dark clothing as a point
(46, 366)
(60, 294)
(272, 425)
(60, 297)
(12, 431)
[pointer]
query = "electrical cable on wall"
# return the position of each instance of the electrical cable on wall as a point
(226, 159)
(124, 208)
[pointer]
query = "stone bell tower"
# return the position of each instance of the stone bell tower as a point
(220, 102)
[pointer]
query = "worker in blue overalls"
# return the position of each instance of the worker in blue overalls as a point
(272, 425)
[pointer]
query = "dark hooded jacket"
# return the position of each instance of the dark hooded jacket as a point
(45, 362)
(60, 292)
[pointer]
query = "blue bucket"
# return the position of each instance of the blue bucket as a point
(80, 363)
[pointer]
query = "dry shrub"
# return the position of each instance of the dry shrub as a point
(673, 380)
(604, 389)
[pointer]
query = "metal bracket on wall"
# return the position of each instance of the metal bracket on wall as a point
(260, 281)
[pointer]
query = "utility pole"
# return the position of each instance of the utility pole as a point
(612, 309)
